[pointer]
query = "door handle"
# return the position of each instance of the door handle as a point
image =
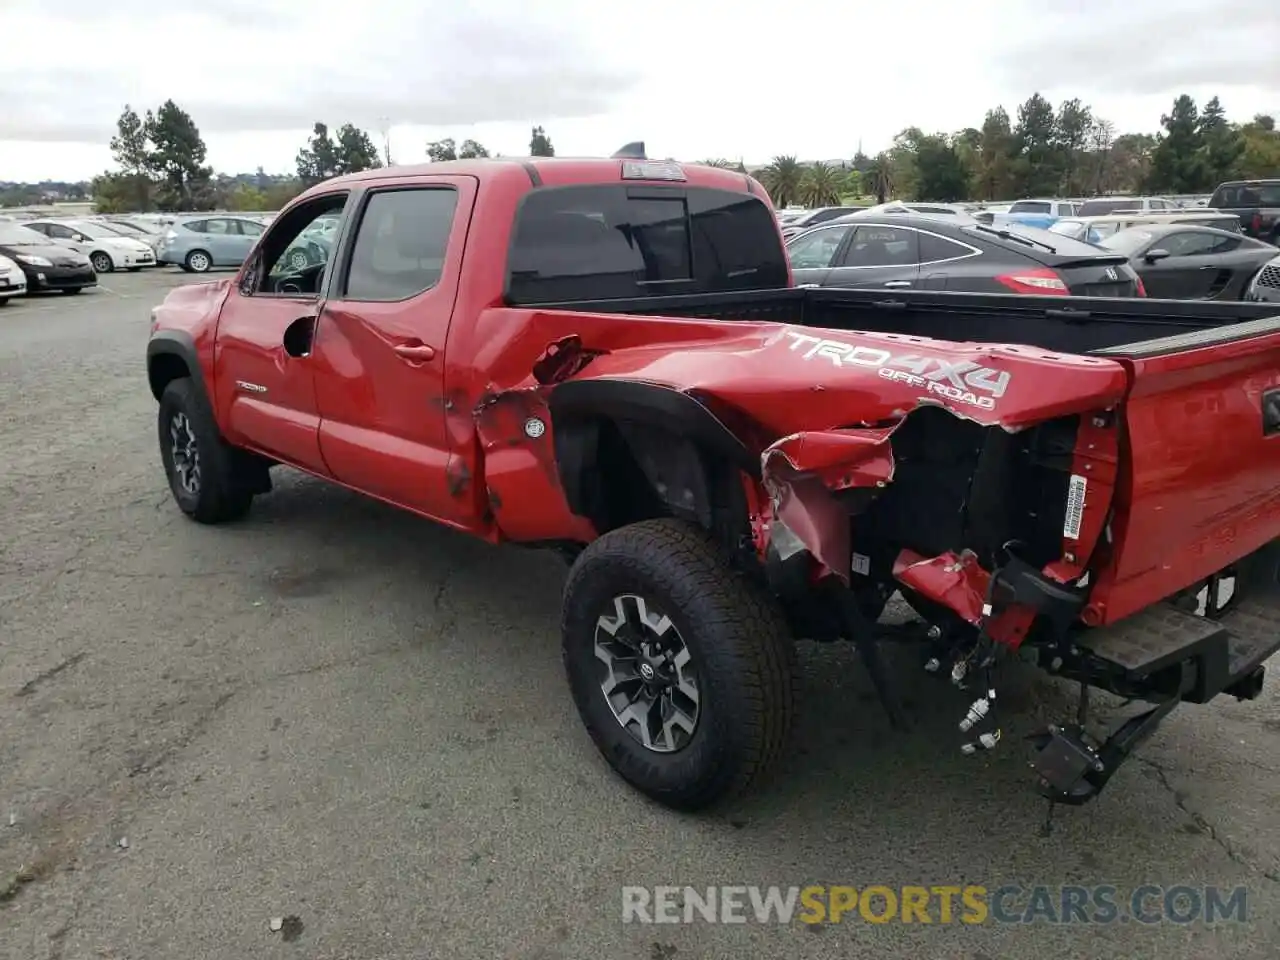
(898, 283)
(415, 352)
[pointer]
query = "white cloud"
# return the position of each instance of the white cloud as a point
(696, 78)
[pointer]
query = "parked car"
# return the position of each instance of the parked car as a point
(1038, 480)
(106, 249)
(13, 282)
(199, 243)
(1265, 287)
(148, 232)
(1097, 229)
(312, 246)
(931, 253)
(1099, 206)
(947, 210)
(1255, 202)
(1181, 262)
(1036, 212)
(46, 265)
(811, 218)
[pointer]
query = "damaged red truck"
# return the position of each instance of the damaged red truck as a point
(608, 358)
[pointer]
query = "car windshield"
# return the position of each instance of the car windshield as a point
(96, 231)
(1127, 242)
(21, 236)
(128, 228)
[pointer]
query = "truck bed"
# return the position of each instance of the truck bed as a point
(1064, 324)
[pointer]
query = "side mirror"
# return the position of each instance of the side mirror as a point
(1154, 256)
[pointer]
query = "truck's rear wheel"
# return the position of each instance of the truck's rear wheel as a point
(682, 671)
(200, 466)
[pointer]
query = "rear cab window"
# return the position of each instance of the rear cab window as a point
(618, 241)
(1261, 193)
(1100, 208)
(1031, 206)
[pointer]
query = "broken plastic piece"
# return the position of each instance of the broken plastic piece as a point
(277, 923)
(123, 843)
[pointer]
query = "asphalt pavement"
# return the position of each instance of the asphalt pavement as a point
(333, 731)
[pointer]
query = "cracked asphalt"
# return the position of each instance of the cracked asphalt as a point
(356, 723)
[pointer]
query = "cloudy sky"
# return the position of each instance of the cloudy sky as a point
(693, 78)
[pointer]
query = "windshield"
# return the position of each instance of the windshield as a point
(96, 231)
(128, 229)
(12, 233)
(1100, 208)
(1127, 241)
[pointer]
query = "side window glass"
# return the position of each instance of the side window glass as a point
(934, 249)
(218, 227)
(285, 263)
(60, 232)
(195, 226)
(876, 246)
(817, 249)
(401, 244)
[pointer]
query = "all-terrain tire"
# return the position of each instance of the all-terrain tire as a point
(741, 652)
(219, 493)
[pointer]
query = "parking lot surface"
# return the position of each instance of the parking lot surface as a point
(332, 713)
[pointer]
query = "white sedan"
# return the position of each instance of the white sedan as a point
(13, 282)
(106, 249)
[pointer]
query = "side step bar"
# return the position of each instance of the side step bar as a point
(1177, 653)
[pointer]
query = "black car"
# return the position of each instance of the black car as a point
(47, 265)
(931, 253)
(1178, 261)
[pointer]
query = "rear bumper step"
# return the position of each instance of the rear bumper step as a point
(1177, 653)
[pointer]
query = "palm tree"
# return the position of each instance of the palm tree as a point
(820, 186)
(879, 177)
(722, 164)
(782, 179)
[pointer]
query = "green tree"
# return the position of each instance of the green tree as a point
(131, 151)
(178, 157)
(782, 178)
(994, 178)
(1072, 127)
(1222, 143)
(1261, 156)
(540, 144)
(472, 149)
(820, 186)
(879, 177)
(355, 150)
(1177, 163)
(441, 151)
(318, 160)
(1102, 134)
(721, 163)
(940, 173)
(245, 197)
(1037, 168)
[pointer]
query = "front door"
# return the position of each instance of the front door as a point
(265, 388)
(811, 253)
(380, 348)
(878, 255)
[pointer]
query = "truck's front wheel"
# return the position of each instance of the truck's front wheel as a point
(199, 465)
(682, 670)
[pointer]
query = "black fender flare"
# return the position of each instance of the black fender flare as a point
(579, 407)
(164, 349)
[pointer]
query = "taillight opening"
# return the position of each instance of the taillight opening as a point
(1142, 288)
(1041, 281)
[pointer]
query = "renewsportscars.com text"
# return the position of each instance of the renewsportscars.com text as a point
(970, 904)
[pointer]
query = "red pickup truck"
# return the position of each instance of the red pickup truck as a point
(609, 358)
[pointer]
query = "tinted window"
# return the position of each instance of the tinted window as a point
(878, 246)
(1031, 206)
(61, 231)
(815, 249)
(41, 228)
(1099, 208)
(197, 226)
(822, 216)
(613, 241)
(934, 248)
(1194, 244)
(401, 244)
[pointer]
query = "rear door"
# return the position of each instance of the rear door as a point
(878, 255)
(380, 348)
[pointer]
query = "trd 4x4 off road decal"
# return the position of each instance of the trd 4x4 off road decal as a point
(960, 380)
